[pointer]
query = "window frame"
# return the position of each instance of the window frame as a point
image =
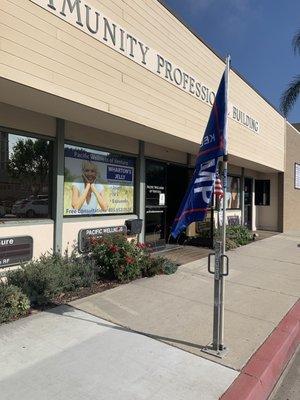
(116, 152)
(295, 167)
(51, 140)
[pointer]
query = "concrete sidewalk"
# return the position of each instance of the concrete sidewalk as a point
(264, 283)
(73, 352)
(66, 354)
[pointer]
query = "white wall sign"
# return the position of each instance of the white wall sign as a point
(162, 199)
(94, 23)
(297, 176)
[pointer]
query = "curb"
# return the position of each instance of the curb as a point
(259, 376)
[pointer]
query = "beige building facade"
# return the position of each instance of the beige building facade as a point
(129, 86)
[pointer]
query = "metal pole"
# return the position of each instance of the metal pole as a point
(58, 184)
(217, 298)
(243, 197)
(221, 260)
(225, 166)
(141, 185)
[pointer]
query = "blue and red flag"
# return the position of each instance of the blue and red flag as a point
(198, 196)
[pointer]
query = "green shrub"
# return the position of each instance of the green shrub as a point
(41, 280)
(152, 266)
(169, 267)
(13, 303)
(77, 271)
(230, 244)
(117, 258)
(236, 235)
(53, 274)
(156, 265)
(239, 234)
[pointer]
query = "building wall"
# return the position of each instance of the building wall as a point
(46, 53)
(291, 196)
(96, 137)
(40, 231)
(164, 153)
(267, 216)
(50, 56)
(24, 120)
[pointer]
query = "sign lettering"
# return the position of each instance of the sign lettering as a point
(94, 23)
(14, 250)
(86, 235)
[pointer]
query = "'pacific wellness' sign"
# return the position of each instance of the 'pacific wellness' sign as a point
(94, 23)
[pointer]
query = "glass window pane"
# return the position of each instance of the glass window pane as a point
(24, 176)
(97, 182)
(262, 192)
(233, 192)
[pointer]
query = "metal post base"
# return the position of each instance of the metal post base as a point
(209, 349)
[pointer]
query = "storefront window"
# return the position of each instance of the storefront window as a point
(262, 192)
(233, 192)
(97, 182)
(24, 176)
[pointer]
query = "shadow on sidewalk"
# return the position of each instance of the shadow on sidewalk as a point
(64, 310)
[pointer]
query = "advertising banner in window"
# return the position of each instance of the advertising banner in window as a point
(97, 182)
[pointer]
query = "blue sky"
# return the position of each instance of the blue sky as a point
(256, 33)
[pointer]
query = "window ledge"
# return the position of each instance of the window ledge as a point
(26, 222)
(111, 217)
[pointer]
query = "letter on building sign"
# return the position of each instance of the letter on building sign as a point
(168, 71)
(160, 63)
(51, 4)
(144, 50)
(112, 32)
(88, 17)
(132, 42)
(76, 4)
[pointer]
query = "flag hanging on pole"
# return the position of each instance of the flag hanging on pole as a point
(198, 196)
(218, 187)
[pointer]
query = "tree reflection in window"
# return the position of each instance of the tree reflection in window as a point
(24, 176)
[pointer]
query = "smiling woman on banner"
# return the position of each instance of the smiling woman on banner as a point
(87, 195)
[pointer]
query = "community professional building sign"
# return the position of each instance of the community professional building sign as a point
(93, 22)
(243, 118)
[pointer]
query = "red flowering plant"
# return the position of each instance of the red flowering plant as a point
(119, 259)
(122, 260)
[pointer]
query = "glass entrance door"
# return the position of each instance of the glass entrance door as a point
(248, 203)
(155, 226)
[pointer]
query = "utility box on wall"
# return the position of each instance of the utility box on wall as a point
(134, 226)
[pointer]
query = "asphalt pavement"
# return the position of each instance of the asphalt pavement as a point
(288, 387)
